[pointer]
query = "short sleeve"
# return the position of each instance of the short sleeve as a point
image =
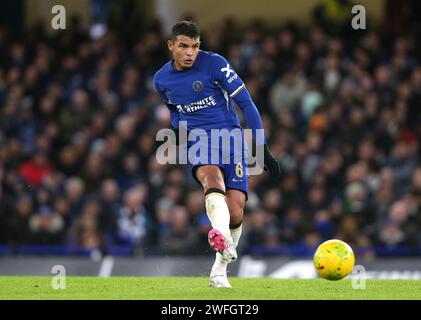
(159, 90)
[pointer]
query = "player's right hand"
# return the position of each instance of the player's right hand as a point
(272, 164)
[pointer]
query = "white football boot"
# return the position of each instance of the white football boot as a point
(219, 281)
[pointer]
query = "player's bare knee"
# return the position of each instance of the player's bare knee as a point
(211, 181)
(211, 177)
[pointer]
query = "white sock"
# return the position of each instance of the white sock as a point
(220, 265)
(236, 234)
(218, 213)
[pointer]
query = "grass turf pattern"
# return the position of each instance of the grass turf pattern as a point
(190, 288)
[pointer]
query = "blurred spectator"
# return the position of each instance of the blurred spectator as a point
(272, 201)
(180, 238)
(392, 233)
(85, 235)
(76, 115)
(110, 203)
(47, 227)
(61, 206)
(259, 229)
(348, 231)
(36, 169)
(316, 201)
(17, 230)
(134, 223)
(94, 172)
(74, 191)
(291, 225)
(324, 225)
(286, 92)
(130, 174)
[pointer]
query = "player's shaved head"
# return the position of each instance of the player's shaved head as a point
(185, 28)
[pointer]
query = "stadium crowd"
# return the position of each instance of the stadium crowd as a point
(78, 119)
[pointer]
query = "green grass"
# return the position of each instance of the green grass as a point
(83, 288)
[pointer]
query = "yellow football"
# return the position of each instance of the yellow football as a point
(334, 260)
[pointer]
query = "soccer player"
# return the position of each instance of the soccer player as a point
(200, 89)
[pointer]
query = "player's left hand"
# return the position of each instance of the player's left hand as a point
(272, 164)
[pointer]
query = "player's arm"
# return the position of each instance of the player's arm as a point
(254, 122)
(227, 78)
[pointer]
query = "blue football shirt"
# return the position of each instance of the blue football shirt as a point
(203, 94)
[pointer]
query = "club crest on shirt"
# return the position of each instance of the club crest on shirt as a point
(197, 86)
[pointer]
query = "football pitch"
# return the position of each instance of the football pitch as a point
(141, 288)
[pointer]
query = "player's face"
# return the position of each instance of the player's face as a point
(184, 51)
